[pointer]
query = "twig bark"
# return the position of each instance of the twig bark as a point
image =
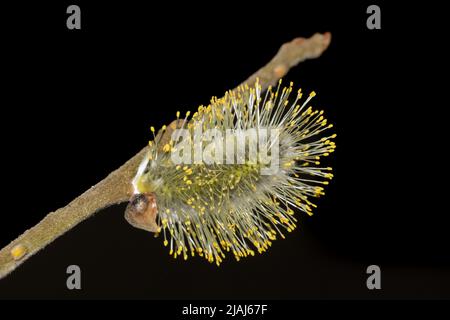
(116, 187)
(288, 56)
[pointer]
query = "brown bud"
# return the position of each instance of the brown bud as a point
(141, 212)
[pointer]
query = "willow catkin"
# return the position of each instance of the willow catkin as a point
(215, 192)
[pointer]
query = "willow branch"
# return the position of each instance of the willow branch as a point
(289, 55)
(116, 187)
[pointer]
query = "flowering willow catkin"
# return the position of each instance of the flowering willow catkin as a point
(210, 208)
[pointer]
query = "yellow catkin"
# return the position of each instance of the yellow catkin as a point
(214, 208)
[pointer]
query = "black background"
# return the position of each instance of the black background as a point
(77, 104)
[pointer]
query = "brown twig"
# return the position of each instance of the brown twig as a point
(116, 187)
(288, 56)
